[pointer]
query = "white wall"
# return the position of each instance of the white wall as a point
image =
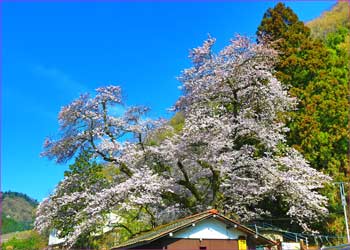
(209, 229)
(53, 238)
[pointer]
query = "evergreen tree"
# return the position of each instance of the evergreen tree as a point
(84, 175)
(318, 76)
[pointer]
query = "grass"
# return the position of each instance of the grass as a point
(18, 235)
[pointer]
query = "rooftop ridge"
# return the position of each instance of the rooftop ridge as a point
(181, 219)
(213, 211)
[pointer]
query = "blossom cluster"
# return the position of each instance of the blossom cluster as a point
(230, 154)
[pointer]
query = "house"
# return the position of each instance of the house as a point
(204, 231)
(55, 242)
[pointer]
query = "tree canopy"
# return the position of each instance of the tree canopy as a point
(229, 151)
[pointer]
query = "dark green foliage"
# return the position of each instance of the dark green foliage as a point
(89, 171)
(317, 73)
(281, 22)
(300, 56)
(84, 174)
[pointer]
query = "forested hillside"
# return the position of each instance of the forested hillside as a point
(330, 21)
(333, 28)
(17, 212)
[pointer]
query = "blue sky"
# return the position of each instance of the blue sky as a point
(53, 51)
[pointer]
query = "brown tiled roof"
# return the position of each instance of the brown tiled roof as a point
(177, 225)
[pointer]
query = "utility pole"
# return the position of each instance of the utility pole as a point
(343, 201)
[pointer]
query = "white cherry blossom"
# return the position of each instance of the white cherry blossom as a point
(230, 154)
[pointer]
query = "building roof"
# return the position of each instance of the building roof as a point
(174, 226)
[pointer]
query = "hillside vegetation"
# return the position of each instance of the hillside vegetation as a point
(331, 21)
(333, 29)
(17, 212)
(314, 64)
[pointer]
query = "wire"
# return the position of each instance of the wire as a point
(293, 235)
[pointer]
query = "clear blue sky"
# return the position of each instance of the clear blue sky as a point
(51, 52)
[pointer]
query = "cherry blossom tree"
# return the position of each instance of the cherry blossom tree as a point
(89, 125)
(230, 153)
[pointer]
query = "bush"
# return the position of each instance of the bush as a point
(33, 242)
